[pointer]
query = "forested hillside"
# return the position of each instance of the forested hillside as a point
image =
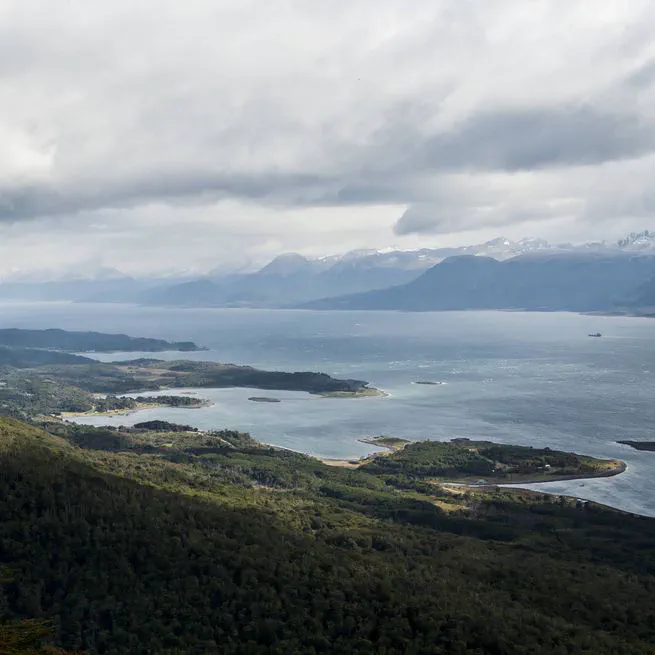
(208, 543)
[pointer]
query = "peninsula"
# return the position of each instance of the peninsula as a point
(66, 341)
(39, 381)
(639, 445)
(477, 463)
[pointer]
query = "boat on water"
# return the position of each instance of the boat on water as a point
(595, 334)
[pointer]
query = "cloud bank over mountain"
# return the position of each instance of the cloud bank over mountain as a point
(141, 131)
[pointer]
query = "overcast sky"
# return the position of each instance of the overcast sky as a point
(152, 135)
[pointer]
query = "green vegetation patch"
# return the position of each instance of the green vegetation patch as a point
(465, 459)
(152, 375)
(392, 443)
(232, 548)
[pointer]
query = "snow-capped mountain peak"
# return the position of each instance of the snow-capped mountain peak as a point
(286, 264)
(638, 241)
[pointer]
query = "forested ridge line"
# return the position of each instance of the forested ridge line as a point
(204, 549)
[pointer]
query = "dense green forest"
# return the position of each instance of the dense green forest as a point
(165, 539)
(190, 542)
(464, 459)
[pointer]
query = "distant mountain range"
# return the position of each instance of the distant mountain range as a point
(573, 281)
(292, 279)
(644, 296)
(116, 289)
(460, 277)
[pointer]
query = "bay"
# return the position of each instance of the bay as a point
(523, 378)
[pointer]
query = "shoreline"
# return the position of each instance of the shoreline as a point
(390, 443)
(463, 486)
(537, 495)
(621, 467)
(457, 487)
(366, 392)
(643, 446)
(133, 410)
(352, 463)
(385, 445)
(114, 412)
(369, 392)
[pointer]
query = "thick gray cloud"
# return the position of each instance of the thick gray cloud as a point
(643, 76)
(454, 116)
(539, 138)
(587, 201)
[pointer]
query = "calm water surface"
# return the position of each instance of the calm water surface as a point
(522, 378)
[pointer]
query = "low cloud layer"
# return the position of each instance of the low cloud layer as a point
(152, 118)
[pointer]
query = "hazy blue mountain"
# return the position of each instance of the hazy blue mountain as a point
(184, 294)
(31, 357)
(67, 341)
(569, 281)
(123, 289)
(292, 279)
(287, 279)
(639, 241)
(291, 265)
(643, 297)
(424, 258)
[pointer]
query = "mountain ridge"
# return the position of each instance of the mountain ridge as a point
(537, 281)
(292, 279)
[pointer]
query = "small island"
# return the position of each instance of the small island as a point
(639, 445)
